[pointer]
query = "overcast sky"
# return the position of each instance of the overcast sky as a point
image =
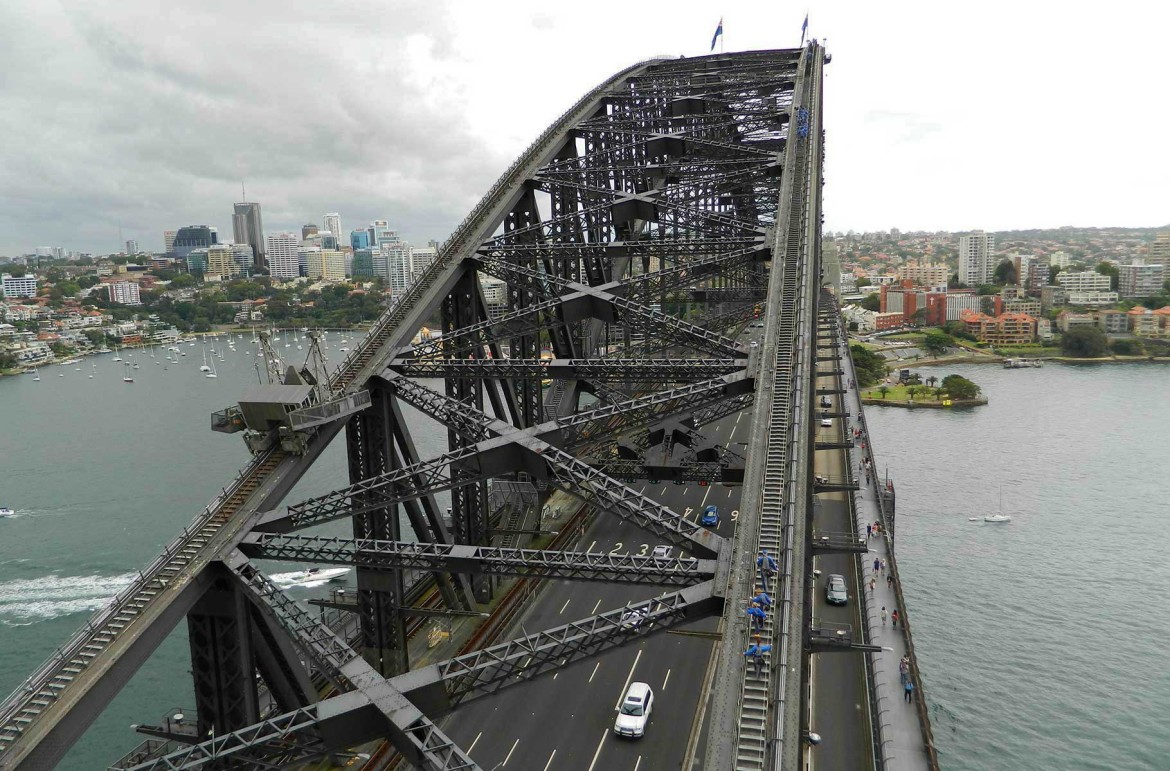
(147, 116)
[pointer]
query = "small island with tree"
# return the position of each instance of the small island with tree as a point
(952, 391)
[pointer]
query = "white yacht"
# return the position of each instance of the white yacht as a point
(6, 512)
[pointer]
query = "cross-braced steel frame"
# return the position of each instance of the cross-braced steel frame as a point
(635, 238)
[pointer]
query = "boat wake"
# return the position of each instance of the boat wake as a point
(27, 601)
(299, 578)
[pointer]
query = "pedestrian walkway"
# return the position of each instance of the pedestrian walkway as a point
(903, 738)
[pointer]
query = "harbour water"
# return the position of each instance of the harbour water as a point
(102, 474)
(1041, 641)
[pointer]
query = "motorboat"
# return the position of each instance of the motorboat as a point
(317, 574)
(6, 512)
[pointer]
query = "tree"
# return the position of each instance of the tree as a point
(183, 281)
(872, 302)
(1005, 273)
(1109, 269)
(932, 381)
(986, 289)
(912, 391)
(919, 317)
(95, 336)
(1126, 347)
(937, 342)
(863, 281)
(960, 387)
(871, 367)
(883, 390)
(1053, 272)
(1084, 342)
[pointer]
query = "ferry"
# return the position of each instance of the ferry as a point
(1021, 363)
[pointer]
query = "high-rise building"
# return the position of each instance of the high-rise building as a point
(359, 239)
(332, 223)
(397, 262)
(244, 258)
(1160, 252)
(308, 231)
(169, 240)
(196, 260)
(124, 292)
(221, 260)
(19, 286)
(923, 275)
(132, 247)
(363, 264)
(1037, 276)
(249, 229)
(975, 266)
(193, 237)
(281, 251)
(1139, 279)
(380, 234)
(326, 264)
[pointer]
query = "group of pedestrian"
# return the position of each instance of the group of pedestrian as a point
(879, 565)
(758, 608)
(907, 683)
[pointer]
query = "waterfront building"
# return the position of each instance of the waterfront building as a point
(124, 292)
(193, 237)
(281, 251)
(1067, 320)
(975, 258)
(1140, 279)
(1005, 329)
(1144, 322)
(1113, 322)
(169, 240)
(249, 229)
(19, 286)
(332, 223)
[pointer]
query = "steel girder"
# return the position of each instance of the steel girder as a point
(439, 687)
(529, 563)
(619, 370)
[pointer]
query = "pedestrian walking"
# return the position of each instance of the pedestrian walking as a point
(758, 616)
(877, 564)
(871, 584)
(884, 566)
(890, 581)
(868, 532)
(904, 669)
(767, 567)
(894, 617)
(883, 615)
(908, 689)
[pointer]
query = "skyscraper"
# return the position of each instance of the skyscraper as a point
(308, 231)
(131, 247)
(975, 265)
(333, 224)
(282, 255)
(193, 237)
(250, 230)
(169, 240)
(359, 239)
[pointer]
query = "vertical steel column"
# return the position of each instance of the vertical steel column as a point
(220, 637)
(380, 595)
(525, 218)
(469, 504)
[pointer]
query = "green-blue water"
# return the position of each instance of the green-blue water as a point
(1041, 641)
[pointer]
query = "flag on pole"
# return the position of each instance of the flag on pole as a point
(803, 29)
(717, 35)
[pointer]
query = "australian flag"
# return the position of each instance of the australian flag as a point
(718, 32)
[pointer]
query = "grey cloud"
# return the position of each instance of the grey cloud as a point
(122, 114)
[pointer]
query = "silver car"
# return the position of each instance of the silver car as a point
(835, 592)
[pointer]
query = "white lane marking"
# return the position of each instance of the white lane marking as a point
(685, 488)
(472, 747)
(562, 610)
(737, 417)
(663, 492)
(637, 763)
(667, 680)
(732, 433)
(730, 490)
(595, 607)
(629, 677)
(550, 757)
(510, 753)
(595, 666)
(594, 763)
(704, 503)
(591, 546)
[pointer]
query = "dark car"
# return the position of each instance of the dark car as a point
(835, 593)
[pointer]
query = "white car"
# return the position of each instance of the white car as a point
(826, 422)
(635, 711)
(632, 619)
(662, 552)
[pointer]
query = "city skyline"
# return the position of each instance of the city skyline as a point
(926, 131)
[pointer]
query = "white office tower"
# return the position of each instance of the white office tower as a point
(975, 264)
(332, 223)
(397, 261)
(420, 258)
(281, 249)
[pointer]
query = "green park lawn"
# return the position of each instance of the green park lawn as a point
(898, 393)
